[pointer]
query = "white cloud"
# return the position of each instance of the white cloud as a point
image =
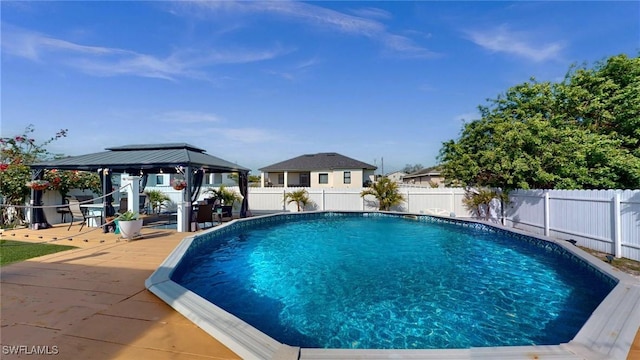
(325, 18)
(186, 117)
(105, 61)
(372, 13)
(519, 43)
(222, 135)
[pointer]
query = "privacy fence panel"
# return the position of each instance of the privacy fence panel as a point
(602, 220)
(441, 201)
(350, 200)
(417, 200)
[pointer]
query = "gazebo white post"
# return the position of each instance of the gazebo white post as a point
(262, 179)
(133, 196)
(184, 208)
(133, 200)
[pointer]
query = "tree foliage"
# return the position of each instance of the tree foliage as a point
(386, 192)
(408, 168)
(20, 151)
(581, 133)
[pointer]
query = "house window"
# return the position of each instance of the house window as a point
(217, 178)
(323, 178)
(159, 179)
(280, 179)
(347, 177)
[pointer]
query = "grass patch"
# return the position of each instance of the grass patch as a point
(14, 251)
(627, 265)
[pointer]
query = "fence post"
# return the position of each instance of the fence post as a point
(617, 229)
(408, 206)
(322, 200)
(546, 213)
(453, 202)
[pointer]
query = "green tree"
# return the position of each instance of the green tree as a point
(408, 168)
(300, 197)
(386, 192)
(16, 154)
(565, 136)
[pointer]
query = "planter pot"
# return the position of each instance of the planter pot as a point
(130, 229)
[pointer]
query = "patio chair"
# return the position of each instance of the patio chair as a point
(204, 214)
(223, 211)
(77, 213)
(142, 206)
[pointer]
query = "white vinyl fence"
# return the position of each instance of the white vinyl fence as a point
(440, 201)
(602, 220)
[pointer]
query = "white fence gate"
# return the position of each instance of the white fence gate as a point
(602, 220)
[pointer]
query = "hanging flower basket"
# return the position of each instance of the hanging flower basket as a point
(179, 184)
(38, 184)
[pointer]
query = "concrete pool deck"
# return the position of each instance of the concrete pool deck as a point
(91, 302)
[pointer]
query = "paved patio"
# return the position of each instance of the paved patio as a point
(91, 303)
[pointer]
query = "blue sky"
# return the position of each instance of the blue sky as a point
(260, 82)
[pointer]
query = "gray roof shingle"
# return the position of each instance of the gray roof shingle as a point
(147, 157)
(320, 161)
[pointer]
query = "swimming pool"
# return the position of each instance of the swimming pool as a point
(475, 311)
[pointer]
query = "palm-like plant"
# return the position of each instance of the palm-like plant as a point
(386, 192)
(478, 201)
(300, 197)
(157, 199)
(228, 197)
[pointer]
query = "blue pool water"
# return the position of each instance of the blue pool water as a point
(393, 283)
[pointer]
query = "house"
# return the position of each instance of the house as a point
(430, 176)
(330, 170)
(209, 179)
(396, 176)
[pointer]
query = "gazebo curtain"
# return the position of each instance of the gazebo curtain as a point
(143, 182)
(243, 183)
(38, 219)
(196, 184)
(107, 188)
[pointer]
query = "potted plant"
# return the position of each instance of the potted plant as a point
(179, 184)
(38, 184)
(129, 224)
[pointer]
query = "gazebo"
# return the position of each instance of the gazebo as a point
(141, 160)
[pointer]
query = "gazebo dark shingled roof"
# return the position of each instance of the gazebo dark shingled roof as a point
(148, 158)
(320, 161)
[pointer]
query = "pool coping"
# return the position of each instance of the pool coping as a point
(608, 333)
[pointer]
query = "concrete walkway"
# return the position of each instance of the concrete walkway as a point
(91, 303)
